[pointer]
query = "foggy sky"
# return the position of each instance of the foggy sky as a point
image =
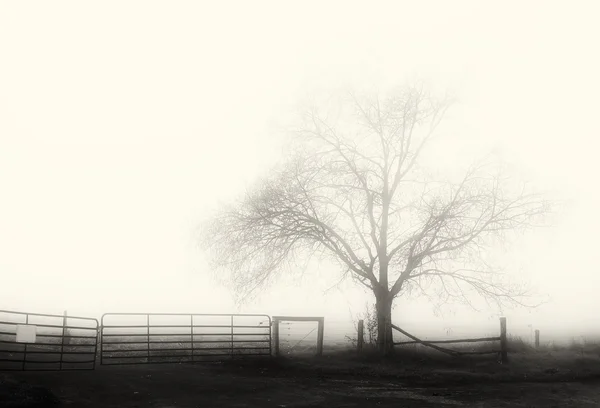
(123, 124)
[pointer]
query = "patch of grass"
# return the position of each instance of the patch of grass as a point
(17, 394)
(421, 365)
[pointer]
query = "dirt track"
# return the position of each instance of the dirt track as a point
(169, 386)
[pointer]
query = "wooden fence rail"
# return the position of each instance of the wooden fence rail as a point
(449, 341)
(503, 351)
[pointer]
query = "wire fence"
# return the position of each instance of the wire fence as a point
(301, 337)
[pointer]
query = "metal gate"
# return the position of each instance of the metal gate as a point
(34, 341)
(151, 338)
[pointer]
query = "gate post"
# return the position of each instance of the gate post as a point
(232, 337)
(361, 335)
(62, 342)
(275, 340)
(503, 341)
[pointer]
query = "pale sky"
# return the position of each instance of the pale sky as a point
(124, 123)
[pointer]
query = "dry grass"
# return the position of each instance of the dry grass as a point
(202, 385)
(422, 365)
(414, 376)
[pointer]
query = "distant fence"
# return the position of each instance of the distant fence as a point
(151, 338)
(34, 341)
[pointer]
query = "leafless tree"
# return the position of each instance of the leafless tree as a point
(354, 192)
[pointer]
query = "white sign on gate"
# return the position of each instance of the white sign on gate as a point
(25, 333)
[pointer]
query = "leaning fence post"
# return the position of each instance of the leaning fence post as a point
(503, 341)
(320, 335)
(361, 335)
(537, 339)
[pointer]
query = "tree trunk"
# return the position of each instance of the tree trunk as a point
(384, 322)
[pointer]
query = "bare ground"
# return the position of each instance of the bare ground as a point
(309, 384)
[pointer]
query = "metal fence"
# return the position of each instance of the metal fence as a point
(34, 341)
(151, 338)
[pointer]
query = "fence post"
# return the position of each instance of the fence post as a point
(99, 340)
(361, 335)
(148, 335)
(275, 324)
(232, 337)
(62, 340)
(192, 334)
(503, 341)
(537, 339)
(25, 348)
(320, 335)
(66, 332)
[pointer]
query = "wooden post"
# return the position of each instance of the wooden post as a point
(232, 337)
(503, 341)
(192, 335)
(66, 331)
(361, 335)
(537, 339)
(148, 335)
(276, 336)
(320, 336)
(63, 340)
(26, 344)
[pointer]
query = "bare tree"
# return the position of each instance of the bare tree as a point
(354, 192)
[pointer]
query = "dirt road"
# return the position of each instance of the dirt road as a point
(187, 386)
